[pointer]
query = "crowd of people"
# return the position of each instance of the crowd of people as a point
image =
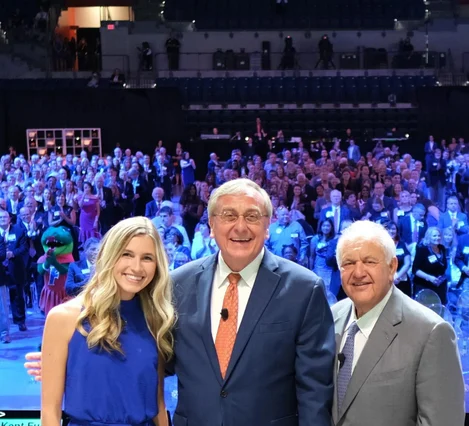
(315, 195)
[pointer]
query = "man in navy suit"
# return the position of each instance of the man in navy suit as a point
(453, 218)
(13, 203)
(15, 266)
(388, 202)
(412, 227)
(153, 207)
(80, 272)
(353, 152)
(429, 149)
(336, 211)
(281, 358)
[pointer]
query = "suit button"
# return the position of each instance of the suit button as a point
(223, 393)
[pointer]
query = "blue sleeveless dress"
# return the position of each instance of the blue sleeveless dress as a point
(114, 389)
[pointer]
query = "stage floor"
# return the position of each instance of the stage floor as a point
(18, 391)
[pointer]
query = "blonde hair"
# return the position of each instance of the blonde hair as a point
(101, 298)
(428, 235)
(239, 187)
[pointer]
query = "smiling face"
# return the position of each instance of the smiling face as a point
(434, 237)
(366, 276)
(136, 267)
(240, 242)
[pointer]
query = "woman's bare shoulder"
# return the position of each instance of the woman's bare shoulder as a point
(67, 311)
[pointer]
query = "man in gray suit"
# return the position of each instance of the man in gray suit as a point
(397, 362)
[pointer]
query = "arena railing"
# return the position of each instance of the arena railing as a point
(304, 61)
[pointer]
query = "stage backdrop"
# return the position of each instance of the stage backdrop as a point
(135, 119)
(443, 113)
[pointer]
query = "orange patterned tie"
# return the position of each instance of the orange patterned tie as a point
(227, 329)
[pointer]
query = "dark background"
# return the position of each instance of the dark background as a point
(443, 113)
(135, 119)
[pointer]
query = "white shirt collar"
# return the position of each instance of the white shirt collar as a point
(248, 274)
(367, 322)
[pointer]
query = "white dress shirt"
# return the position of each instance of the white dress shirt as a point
(366, 323)
(220, 284)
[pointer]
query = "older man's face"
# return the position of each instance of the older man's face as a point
(366, 276)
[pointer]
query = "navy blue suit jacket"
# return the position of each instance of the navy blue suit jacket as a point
(76, 278)
(405, 229)
(18, 245)
(280, 370)
(345, 214)
(151, 209)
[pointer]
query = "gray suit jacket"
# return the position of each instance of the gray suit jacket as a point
(409, 373)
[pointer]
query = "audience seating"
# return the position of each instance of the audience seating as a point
(298, 89)
(309, 123)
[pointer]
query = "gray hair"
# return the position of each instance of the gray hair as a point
(89, 242)
(364, 230)
(239, 187)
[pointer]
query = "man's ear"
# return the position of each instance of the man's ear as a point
(210, 222)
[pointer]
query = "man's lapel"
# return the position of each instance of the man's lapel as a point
(383, 334)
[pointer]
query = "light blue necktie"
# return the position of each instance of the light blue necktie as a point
(345, 370)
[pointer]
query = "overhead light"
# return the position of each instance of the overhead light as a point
(407, 135)
(395, 20)
(153, 85)
(193, 21)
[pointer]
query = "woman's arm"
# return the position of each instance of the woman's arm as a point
(405, 267)
(98, 212)
(60, 324)
(200, 210)
(72, 219)
(53, 222)
(162, 418)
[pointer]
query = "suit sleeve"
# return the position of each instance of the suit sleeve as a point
(459, 259)
(3, 249)
(74, 283)
(303, 242)
(22, 247)
(331, 259)
(148, 211)
(440, 384)
(315, 351)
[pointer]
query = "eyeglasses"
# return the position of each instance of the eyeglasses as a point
(231, 217)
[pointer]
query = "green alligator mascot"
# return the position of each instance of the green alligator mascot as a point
(58, 247)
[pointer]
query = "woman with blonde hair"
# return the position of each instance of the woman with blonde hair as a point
(104, 352)
(430, 264)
